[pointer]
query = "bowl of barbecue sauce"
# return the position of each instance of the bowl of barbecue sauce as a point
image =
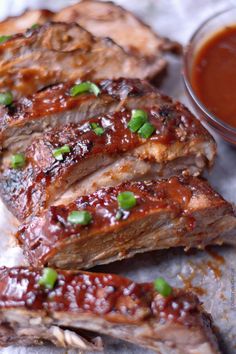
(209, 73)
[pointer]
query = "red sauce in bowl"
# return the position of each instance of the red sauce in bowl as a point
(214, 75)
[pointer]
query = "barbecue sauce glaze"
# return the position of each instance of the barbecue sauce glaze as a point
(214, 75)
(44, 236)
(173, 124)
(116, 298)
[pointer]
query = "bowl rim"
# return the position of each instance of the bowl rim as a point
(186, 78)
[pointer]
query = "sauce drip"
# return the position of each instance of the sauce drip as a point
(215, 269)
(216, 256)
(214, 75)
(188, 283)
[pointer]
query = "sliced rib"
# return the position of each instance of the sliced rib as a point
(55, 106)
(103, 303)
(58, 52)
(102, 20)
(106, 19)
(168, 213)
(179, 144)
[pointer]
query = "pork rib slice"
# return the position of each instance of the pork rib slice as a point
(103, 303)
(110, 20)
(58, 52)
(180, 144)
(54, 106)
(102, 20)
(168, 213)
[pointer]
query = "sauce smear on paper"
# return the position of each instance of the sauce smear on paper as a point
(214, 75)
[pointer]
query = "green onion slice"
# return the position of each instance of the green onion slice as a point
(58, 153)
(162, 287)
(126, 200)
(17, 161)
(138, 118)
(4, 38)
(48, 278)
(82, 217)
(6, 98)
(98, 130)
(83, 87)
(34, 26)
(146, 130)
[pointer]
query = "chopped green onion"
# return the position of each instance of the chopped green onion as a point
(146, 130)
(17, 161)
(6, 98)
(94, 125)
(34, 26)
(4, 38)
(48, 278)
(162, 287)
(126, 200)
(83, 87)
(138, 118)
(98, 130)
(58, 153)
(82, 217)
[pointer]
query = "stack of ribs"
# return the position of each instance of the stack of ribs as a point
(102, 158)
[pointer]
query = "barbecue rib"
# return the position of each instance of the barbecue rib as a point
(102, 19)
(106, 19)
(55, 106)
(168, 213)
(59, 52)
(103, 303)
(179, 144)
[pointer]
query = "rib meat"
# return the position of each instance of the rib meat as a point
(106, 19)
(102, 19)
(60, 52)
(103, 303)
(54, 107)
(168, 213)
(179, 144)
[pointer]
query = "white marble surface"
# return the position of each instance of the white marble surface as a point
(176, 19)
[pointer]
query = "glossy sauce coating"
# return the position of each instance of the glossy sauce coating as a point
(44, 236)
(57, 99)
(27, 190)
(214, 75)
(65, 51)
(106, 295)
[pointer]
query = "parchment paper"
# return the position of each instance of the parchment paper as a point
(213, 278)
